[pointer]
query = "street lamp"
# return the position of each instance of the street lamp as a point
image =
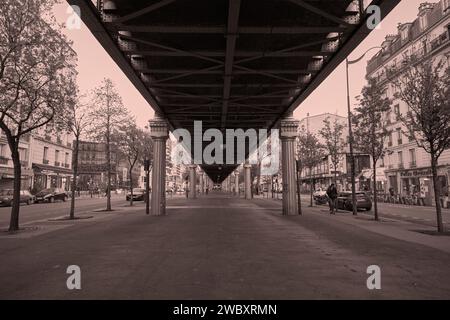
(350, 131)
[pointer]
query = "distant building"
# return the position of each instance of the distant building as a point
(407, 166)
(323, 174)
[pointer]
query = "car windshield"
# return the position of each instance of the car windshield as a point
(46, 191)
(138, 190)
(6, 192)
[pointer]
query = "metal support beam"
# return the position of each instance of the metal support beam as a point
(146, 10)
(320, 12)
(233, 23)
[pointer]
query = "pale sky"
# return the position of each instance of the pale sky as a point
(94, 64)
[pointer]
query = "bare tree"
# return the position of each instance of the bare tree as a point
(310, 152)
(130, 143)
(37, 76)
(107, 115)
(424, 87)
(334, 144)
(370, 128)
(77, 123)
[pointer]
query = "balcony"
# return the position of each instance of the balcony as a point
(58, 140)
(390, 144)
(69, 145)
(399, 142)
(24, 163)
(48, 137)
(57, 163)
(413, 164)
(4, 160)
(401, 166)
(66, 165)
(45, 161)
(391, 166)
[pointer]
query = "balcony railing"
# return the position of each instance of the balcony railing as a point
(413, 164)
(69, 145)
(58, 140)
(399, 142)
(401, 166)
(45, 161)
(24, 163)
(48, 137)
(390, 144)
(4, 160)
(57, 163)
(391, 166)
(66, 165)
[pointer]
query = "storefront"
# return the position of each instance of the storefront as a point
(7, 178)
(46, 176)
(419, 182)
(365, 181)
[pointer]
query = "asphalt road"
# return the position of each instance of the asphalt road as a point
(220, 247)
(39, 211)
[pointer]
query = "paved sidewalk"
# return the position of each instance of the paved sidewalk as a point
(222, 247)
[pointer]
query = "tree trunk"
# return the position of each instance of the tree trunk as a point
(74, 178)
(375, 192)
(108, 166)
(131, 188)
(299, 194)
(311, 188)
(434, 163)
(15, 205)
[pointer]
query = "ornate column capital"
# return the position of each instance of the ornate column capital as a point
(289, 127)
(158, 127)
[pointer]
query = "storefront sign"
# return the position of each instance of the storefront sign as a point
(416, 173)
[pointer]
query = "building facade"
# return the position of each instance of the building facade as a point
(51, 159)
(407, 166)
(324, 173)
(6, 163)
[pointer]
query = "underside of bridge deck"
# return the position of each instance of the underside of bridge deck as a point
(228, 63)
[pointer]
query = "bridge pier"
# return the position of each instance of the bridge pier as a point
(236, 183)
(192, 181)
(247, 181)
(159, 134)
(202, 183)
(288, 134)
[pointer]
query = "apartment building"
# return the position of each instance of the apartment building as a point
(51, 158)
(407, 167)
(323, 174)
(6, 163)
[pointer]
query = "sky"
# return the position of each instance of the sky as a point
(94, 64)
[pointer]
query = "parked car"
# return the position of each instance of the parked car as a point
(363, 201)
(138, 194)
(6, 197)
(51, 195)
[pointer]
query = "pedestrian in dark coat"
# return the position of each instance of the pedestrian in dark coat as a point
(332, 197)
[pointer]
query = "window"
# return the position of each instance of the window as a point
(400, 159)
(405, 33)
(3, 150)
(390, 139)
(382, 162)
(66, 158)
(412, 157)
(23, 154)
(56, 155)
(399, 136)
(445, 5)
(45, 154)
(423, 21)
(397, 111)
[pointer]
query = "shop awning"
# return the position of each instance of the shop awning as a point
(47, 169)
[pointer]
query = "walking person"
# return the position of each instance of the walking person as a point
(332, 196)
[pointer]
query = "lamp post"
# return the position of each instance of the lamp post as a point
(350, 131)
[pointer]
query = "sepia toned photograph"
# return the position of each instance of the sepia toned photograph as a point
(224, 156)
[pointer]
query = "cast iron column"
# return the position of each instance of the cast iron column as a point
(288, 134)
(159, 134)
